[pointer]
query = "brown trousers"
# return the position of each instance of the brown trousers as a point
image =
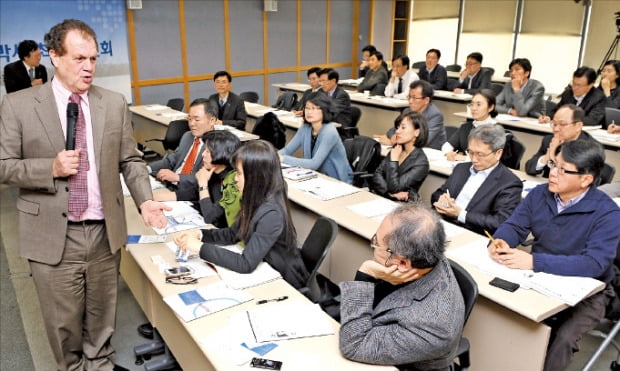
(78, 299)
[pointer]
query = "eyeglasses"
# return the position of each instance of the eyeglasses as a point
(415, 98)
(552, 164)
(373, 244)
(478, 154)
(561, 124)
(471, 63)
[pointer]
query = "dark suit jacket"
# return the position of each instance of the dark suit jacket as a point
(233, 113)
(187, 187)
(482, 80)
(32, 136)
(304, 98)
(530, 165)
(341, 104)
(438, 78)
(529, 102)
(16, 76)
(492, 203)
(390, 177)
(593, 105)
(436, 129)
(459, 139)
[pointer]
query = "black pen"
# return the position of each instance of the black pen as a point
(274, 299)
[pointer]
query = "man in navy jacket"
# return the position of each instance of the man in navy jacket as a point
(576, 230)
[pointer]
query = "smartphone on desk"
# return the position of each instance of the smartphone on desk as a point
(177, 272)
(503, 284)
(266, 364)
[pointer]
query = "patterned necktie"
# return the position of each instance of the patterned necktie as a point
(78, 183)
(189, 163)
(222, 102)
(400, 85)
(31, 73)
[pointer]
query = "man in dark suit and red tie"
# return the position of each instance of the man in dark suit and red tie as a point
(27, 71)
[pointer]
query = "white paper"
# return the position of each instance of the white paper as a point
(155, 184)
(155, 107)
(282, 321)
(205, 300)
(182, 217)
(375, 208)
(325, 189)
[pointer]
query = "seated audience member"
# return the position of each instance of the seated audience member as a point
(420, 100)
(473, 77)
(315, 85)
(366, 51)
(522, 96)
(567, 125)
(405, 306)
(610, 82)
(179, 167)
(341, 103)
(402, 77)
(264, 223)
(481, 194)
(433, 72)
(218, 193)
(582, 93)
(576, 230)
(482, 109)
(376, 74)
(27, 71)
(403, 170)
(230, 107)
(318, 138)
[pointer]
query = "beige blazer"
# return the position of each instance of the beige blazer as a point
(31, 136)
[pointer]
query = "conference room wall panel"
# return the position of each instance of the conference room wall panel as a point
(249, 83)
(157, 36)
(282, 35)
(201, 89)
(433, 9)
(246, 35)
(484, 16)
(601, 33)
(363, 30)
(382, 27)
(313, 32)
(341, 32)
(204, 26)
(496, 49)
(161, 93)
(420, 39)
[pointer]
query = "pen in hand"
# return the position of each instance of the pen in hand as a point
(264, 301)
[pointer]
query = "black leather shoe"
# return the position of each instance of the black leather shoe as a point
(146, 330)
(119, 368)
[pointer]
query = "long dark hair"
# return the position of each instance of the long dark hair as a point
(263, 181)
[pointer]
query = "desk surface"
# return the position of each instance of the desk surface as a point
(256, 110)
(163, 115)
(314, 353)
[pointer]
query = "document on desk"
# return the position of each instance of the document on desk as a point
(262, 274)
(291, 320)
(568, 289)
(325, 189)
(205, 300)
(182, 217)
(173, 115)
(451, 229)
(155, 184)
(376, 209)
(601, 134)
(155, 107)
(298, 173)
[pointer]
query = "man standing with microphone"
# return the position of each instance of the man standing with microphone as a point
(70, 204)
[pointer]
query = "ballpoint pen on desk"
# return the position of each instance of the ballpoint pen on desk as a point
(264, 301)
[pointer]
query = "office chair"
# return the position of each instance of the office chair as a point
(176, 103)
(351, 130)
(364, 156)
(469, 290)
(286, 101)
(612, 114)
(613, 315)
(549, 107)
(607, 174)
(175, 131)
(249, 96)
(418, 65)
(497, 88)
(453, 82)
(450, 130)
(157, 346)
(507, 73)
(314, 250)
(490, 70)
(453, 68)
(513, 152)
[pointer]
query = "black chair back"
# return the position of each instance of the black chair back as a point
(497, 88)
(450, 130)
(452, 83)
(249, 96)
(513, 152)
(418, 65)
(286, 101)
(175, 131)
(453, 68)
(176, 103)
(350, 129)
(469, 290)
(315, 249)
(607, 174)
(364, 156)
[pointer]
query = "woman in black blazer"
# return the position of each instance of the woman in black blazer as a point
(263, 224)
(402, 171)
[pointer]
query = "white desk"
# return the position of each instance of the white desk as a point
(183, 338)
(152, 123)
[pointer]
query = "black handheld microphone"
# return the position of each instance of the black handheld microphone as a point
(72, 115)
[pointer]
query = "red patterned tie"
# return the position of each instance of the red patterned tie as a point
(189, 163)
(78, 183)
